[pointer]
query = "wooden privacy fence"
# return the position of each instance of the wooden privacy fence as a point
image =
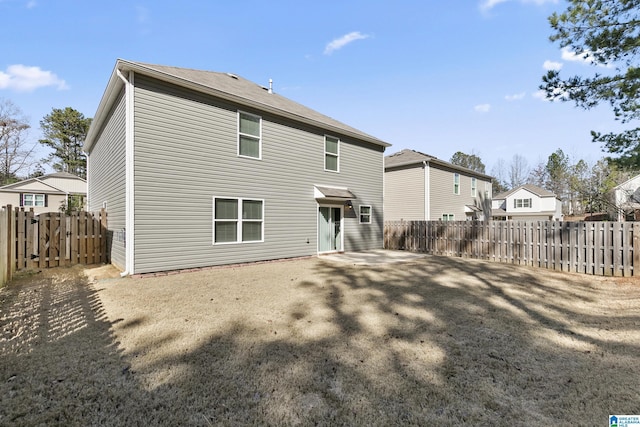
(6, 219)
(50, 239)
(599, 248)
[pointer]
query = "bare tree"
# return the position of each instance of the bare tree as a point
(499, 182)
(539, 175)
(15, 152)
(518, 171)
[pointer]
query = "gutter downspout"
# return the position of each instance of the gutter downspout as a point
(427, 191)
(129, 187)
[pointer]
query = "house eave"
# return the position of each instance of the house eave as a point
(437, 162)
(115, 84)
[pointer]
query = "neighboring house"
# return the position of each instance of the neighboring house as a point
(627, 199)
(423, 187)
(198, 168)
(527, 203)
(47, 193)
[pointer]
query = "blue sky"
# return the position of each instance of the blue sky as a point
(430, 75)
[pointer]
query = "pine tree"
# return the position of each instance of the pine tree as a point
(65, 131)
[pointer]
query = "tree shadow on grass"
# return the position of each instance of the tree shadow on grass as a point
(515, 344)
(59, 363)
(440, 341)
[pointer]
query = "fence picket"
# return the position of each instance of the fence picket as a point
(52, 239)
(584, 247)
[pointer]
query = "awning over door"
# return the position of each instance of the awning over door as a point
(333, 193)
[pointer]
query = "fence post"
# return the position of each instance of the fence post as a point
(5, 260)
(627, 248)
(636, 249)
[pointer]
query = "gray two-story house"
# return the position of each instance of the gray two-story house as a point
(198, 168)
(420, 187)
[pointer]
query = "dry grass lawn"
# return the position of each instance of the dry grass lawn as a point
(437, 341)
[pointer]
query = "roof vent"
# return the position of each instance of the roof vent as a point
(270, 85)
(233, 76)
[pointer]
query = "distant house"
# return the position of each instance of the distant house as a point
(198, 168)
(45, 193)
(422, 187)
(527, 203)
(627, 199)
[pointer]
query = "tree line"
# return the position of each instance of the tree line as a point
(583, 187)
(64, 131)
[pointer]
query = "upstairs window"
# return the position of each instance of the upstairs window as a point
(331, 154)
(522, 203)
(249, 135)
(237, 220)
(33, 200)
(474, 187)
(456, 183)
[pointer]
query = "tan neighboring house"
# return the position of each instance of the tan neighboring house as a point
(45, 193)
(422, 187)
(527, 203)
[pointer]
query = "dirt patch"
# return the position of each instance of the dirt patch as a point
(437, 341)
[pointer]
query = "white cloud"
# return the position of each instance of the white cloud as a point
(341, 42)
(31, 4)
(540, 2)
(142, 14)
(515, 96)
(489, 4)
(568, 55)
(542, 95)
(482, 108)
(22, 78)
(552, 65)
(584, 57)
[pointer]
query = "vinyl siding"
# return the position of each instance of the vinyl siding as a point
(12, 199)
(442, 197)
(34, 187)
(186, 154)
(68, 184)
(404, 194)
(106, 179)
(54, 201)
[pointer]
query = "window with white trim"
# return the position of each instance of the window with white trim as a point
(456, 183)
(331, 154)
(237, 220)
(522, 203)
(33, 200)
(448, 217)
(474, 187)
(365, 214)
(249, 135)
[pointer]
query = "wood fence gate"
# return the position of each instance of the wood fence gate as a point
(55, 239)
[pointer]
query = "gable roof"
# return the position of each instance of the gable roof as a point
(41, 181)
(409, 157)
(538, 191)
(61, 175)
(624, 184)
(222, 85)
